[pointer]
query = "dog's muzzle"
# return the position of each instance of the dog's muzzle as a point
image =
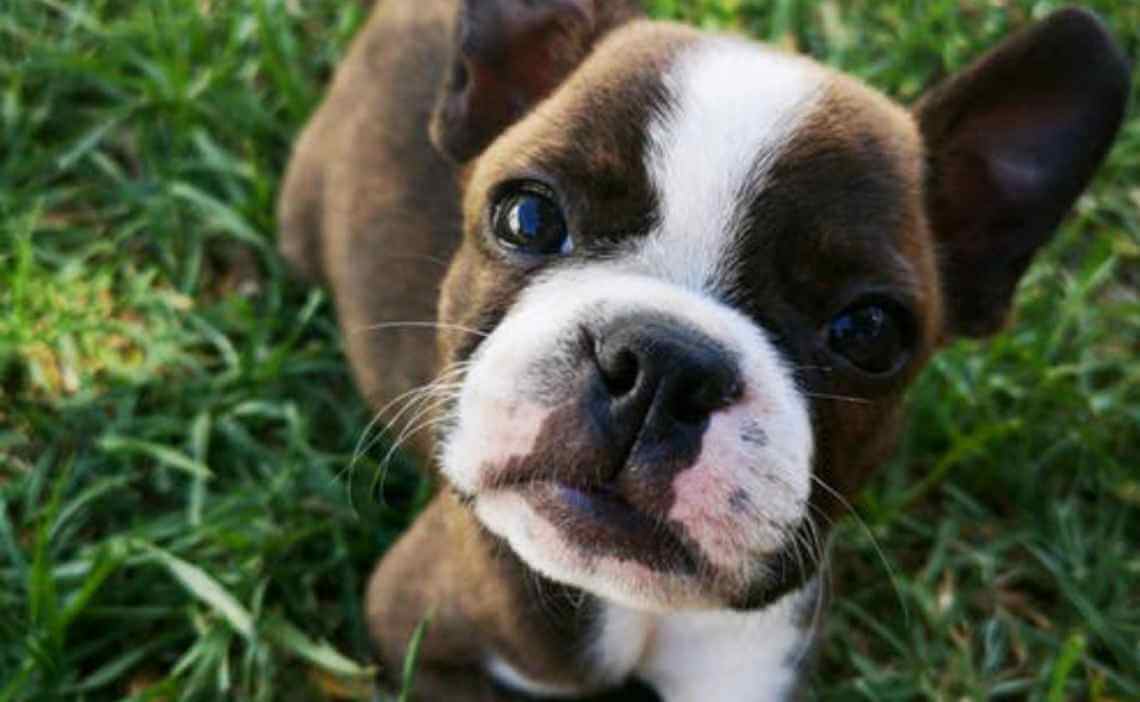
(643, 441)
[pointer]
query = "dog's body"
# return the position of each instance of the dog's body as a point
(689, 278)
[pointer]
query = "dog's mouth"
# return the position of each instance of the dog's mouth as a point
(599, 521)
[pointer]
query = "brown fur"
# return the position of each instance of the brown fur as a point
(598, 159)
(476, 602)
(855, 171)
(380, 242)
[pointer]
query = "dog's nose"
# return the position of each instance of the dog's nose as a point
(663, 380)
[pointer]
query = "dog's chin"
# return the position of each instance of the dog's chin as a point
(597, 542)
(587, 541)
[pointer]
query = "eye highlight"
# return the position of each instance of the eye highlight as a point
(527, 218)
(874, 336)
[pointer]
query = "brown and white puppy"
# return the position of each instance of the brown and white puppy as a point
(689, 278)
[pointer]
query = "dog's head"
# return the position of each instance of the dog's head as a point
(698, 274)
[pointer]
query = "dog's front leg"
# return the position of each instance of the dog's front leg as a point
(482, 606)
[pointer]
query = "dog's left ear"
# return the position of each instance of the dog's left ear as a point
(508, 55)
(1011, 142)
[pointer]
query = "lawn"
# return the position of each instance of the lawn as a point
(181, 516)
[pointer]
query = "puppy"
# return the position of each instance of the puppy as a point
(682, 281)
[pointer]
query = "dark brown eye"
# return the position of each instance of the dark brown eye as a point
(528, 219)
(874, 337)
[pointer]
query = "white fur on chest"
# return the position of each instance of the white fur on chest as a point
(696, 655)
(710, 655)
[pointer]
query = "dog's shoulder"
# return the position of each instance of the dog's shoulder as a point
(375, 109)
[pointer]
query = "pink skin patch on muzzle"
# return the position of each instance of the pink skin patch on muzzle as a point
(738, 490)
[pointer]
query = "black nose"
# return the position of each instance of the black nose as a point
(663, 379)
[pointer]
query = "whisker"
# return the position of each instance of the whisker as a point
(383, 473)
(842, 398)
(429, 403)
(874, 543)
(417, 325)
(416, 399)
(425, 405)
(442, 263)
(364, 436)
(426, 408)
(446, 374)
(822, 579)
(447, 377)
(797, 548)
(410, 398)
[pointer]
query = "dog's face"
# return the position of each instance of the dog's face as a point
(678, 299)
(698, 278)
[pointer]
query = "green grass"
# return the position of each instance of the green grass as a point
(176, 420)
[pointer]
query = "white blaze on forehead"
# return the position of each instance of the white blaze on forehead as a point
(735, 106)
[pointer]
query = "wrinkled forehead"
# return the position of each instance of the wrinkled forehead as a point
(717, 150)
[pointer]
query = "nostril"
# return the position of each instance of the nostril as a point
(689, 410)
(659, 375)
(693, 402)
(619, 372)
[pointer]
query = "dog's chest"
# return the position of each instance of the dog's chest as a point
(721, 654)
(695, 656)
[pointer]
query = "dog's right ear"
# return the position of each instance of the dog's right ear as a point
(508, 55)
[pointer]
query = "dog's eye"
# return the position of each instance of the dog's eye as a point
(529, 220)
(873, 336)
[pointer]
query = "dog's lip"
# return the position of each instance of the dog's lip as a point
(601, 522)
